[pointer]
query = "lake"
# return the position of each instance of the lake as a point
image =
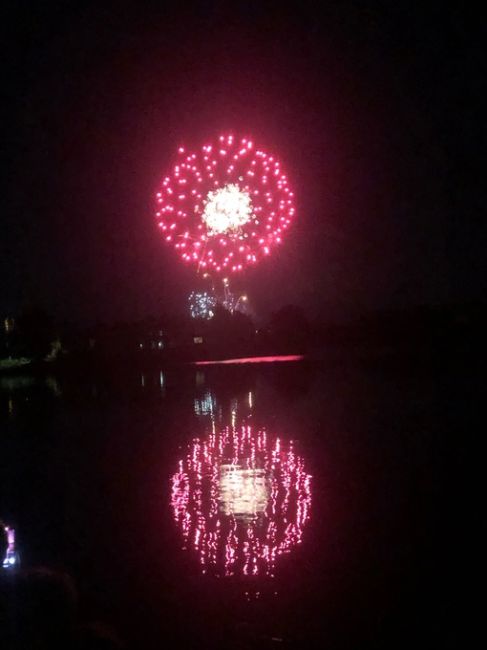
(292, 503)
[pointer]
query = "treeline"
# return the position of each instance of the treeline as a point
(34, 334)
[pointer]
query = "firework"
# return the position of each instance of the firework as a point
(225, 206)
(202, 305)
(241, 499)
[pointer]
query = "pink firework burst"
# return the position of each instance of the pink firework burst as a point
(225, 206)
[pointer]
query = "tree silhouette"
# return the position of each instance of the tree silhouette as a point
(289, 325)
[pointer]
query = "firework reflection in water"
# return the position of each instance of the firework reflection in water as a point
(241, 498)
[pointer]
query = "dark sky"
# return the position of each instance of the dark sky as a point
(374, 109)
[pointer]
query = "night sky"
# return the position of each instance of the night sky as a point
(373, 108)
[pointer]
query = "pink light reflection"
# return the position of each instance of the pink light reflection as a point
(282, 358)
(241, 498)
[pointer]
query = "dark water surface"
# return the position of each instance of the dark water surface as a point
(263, 505)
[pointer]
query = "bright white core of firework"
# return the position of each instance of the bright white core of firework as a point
(227, 209)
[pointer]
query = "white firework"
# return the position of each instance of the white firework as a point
(227, 209)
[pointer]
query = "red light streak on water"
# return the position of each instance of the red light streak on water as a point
(289, 357)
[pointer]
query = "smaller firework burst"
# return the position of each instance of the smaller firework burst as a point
(202, 305)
